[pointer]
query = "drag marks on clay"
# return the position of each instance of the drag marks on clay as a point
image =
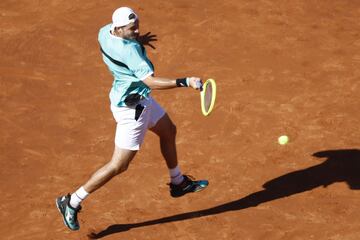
(34, 152)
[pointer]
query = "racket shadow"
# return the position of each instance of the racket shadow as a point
(340, 166)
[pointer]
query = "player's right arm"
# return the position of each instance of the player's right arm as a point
(161, 83)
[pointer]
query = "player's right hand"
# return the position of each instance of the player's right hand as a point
(194, 82)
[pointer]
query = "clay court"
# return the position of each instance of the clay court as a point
(282, 68)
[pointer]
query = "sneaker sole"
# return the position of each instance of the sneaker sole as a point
(202, 187)
(197, 190)
(66, 224)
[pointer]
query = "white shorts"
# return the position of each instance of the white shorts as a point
(130, 132)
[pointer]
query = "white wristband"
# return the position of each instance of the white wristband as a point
(187, 81)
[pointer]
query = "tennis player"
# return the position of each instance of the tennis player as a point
(134, 110)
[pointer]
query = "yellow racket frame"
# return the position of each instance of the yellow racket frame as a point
(202, 97)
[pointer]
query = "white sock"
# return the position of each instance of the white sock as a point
(176, 175)
(77, 197)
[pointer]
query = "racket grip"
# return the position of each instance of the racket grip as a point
(199, 85)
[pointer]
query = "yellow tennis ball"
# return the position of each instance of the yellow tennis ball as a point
(283, 140)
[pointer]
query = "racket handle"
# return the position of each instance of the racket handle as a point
(199, 85)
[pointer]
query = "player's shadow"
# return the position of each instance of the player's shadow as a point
(339, 166)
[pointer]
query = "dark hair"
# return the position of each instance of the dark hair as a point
(132, 16)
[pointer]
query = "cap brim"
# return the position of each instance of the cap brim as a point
(114, 25)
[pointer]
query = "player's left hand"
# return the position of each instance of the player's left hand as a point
(146, 39)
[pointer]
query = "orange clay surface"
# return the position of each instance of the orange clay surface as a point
(282, 68)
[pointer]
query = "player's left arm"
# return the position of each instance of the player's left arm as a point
(146, 39)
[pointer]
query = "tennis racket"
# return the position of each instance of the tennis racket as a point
(208, 96)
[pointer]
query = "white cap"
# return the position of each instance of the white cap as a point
(122, 17)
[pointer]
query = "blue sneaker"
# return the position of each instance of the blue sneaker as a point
(188, 185)
(68, 212)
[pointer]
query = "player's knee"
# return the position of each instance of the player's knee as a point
(169, 132)
(122, 168)
(118, 168)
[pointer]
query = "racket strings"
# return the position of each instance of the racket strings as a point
(208, 97)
